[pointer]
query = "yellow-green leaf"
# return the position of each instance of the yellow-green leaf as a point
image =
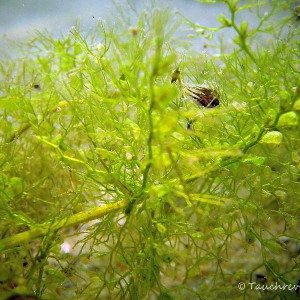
(272, 137)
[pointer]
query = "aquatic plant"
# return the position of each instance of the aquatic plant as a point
(105, 191)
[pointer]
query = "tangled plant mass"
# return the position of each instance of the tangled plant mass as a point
(164, 184)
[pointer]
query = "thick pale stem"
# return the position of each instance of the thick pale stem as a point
(46, 228)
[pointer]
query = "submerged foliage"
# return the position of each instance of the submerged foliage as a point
(92, 127)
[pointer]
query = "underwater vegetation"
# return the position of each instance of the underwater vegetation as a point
(134, 166)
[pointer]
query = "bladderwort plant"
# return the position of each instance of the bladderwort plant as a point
(96, 156)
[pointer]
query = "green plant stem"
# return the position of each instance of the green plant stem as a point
(244, 44)
(18, 133)
(242, 37)
(42, 230)
(150, 110)
(179, 174)
(149, 143)
(28, 125)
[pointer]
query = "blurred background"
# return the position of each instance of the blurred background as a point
(20, 18)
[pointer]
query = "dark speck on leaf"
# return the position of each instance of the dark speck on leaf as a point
(261, 278)
(37, 86)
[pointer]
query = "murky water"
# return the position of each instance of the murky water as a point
(20, 18)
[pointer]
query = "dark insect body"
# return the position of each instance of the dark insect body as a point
(204, 96)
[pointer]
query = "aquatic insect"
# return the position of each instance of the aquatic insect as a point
(202, 95)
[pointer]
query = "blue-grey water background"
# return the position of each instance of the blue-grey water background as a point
(20, 18)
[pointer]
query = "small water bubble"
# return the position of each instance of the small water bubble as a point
(128, 156)
(65, 247)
